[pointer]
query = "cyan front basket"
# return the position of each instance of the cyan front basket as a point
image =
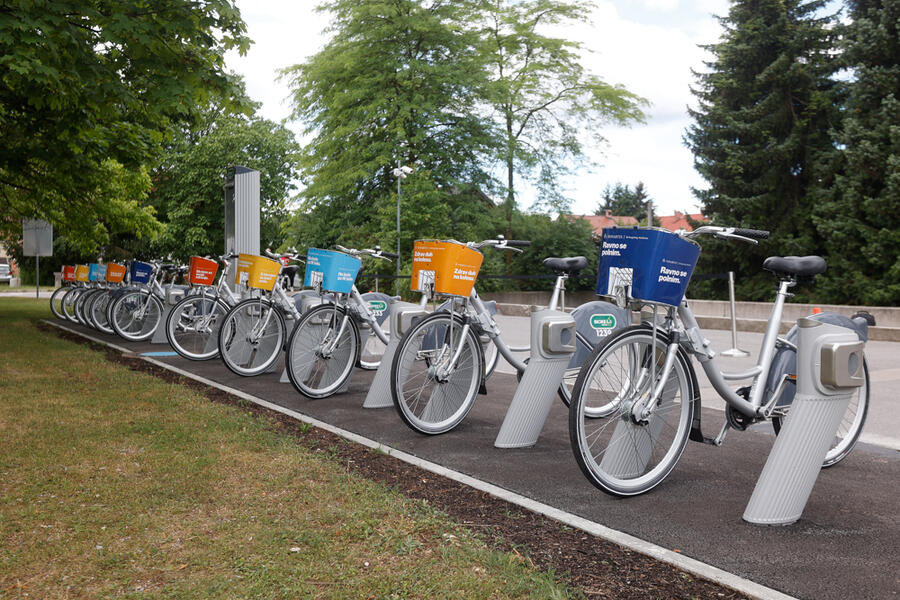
(333, 271)
(657, 264)
(93, 271)
(101, 272)
(141, 272)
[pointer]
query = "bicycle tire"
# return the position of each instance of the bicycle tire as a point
(313, 373)
(90, 304)
(424, 402)
(616, 453)
(56, 299)
(183, 321)
(68, 303)
(851, 426)
(251, 337)
(80, 303)
(135, 315)
(99, 312)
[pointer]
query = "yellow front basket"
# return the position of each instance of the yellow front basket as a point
(257, 272)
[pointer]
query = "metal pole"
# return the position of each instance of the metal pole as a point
(398, 225)
(37, 277)
(734, 351)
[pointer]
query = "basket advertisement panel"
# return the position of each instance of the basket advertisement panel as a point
(141, 272)
(656, 263)
(452, 266)
(101, 272)
(115, 273)
(202, 271)
(257, 271)
(68, 273)
(426, 253)
(333, 271)
(81, 273)
(93, 271)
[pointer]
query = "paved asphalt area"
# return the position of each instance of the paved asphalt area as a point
(846, 545)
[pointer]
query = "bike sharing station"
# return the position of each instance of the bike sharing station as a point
(641, 270)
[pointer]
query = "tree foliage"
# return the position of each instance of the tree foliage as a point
(89, 84)
(188, 185)
(767, 105)
(858, 214)
(623, 201)
(395, 85)
(544, 98)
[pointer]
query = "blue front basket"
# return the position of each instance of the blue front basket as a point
(334, 271)
(141, 272)
(657, 264)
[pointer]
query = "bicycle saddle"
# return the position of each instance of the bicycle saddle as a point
(572, 265)
(799, 266)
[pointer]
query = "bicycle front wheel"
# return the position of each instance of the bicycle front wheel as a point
(56, 302)
(431, 393)
(322, 351)
(251, 337)
(619, 453)
(97, 311)
(68, 303)
(192, 327)
(135, 315)
(851, 424)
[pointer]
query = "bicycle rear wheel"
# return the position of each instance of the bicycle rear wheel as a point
(135, 315)
(192, 327)
(430, 396)
(251, 337)
(320, 356)
(621, 455)
(851, 424)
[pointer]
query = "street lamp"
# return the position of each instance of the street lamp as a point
(400, 173)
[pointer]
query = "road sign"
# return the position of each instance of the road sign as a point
(37, 238)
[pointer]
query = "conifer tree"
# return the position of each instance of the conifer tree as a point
(766, 105)
(859, 216)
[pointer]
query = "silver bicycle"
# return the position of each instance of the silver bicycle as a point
(636, 401)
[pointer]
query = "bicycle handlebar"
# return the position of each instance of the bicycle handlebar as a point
(376, 253)
(736, 233)
(501, 243)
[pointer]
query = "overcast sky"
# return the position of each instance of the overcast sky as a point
(649, 46)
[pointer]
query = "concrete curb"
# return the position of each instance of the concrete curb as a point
(685, 563)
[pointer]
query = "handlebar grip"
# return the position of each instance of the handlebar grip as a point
(390, 254)
(756, 234)
(518, 243)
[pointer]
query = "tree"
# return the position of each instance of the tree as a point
(88, 82)
(543, 96)
(858, 216)
(395, 85)
(188, 184)
(766, 105)
(622, 201)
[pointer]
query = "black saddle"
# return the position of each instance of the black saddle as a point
(798, 266)
(571, 265)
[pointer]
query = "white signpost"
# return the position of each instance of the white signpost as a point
(37, 241)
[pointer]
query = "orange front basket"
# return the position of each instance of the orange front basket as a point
(115, 273)
(450, 267)
(203, 270)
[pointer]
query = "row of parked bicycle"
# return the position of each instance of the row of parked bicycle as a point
(632, 391)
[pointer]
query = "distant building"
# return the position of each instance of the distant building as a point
(680, 221)
(600, 222)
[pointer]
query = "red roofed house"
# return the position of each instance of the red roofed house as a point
(680, 221)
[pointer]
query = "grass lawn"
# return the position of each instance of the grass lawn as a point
(114, 483)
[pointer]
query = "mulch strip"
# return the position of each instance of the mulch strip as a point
(600, 569)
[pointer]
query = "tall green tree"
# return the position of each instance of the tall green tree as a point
(767, 103)
(396, 84)
(188, 184)
(83, 82)
(544, 98)
(623, 201)
(858, 216)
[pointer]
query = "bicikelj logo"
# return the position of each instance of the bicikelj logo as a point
(378, 306)
(601, 321)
